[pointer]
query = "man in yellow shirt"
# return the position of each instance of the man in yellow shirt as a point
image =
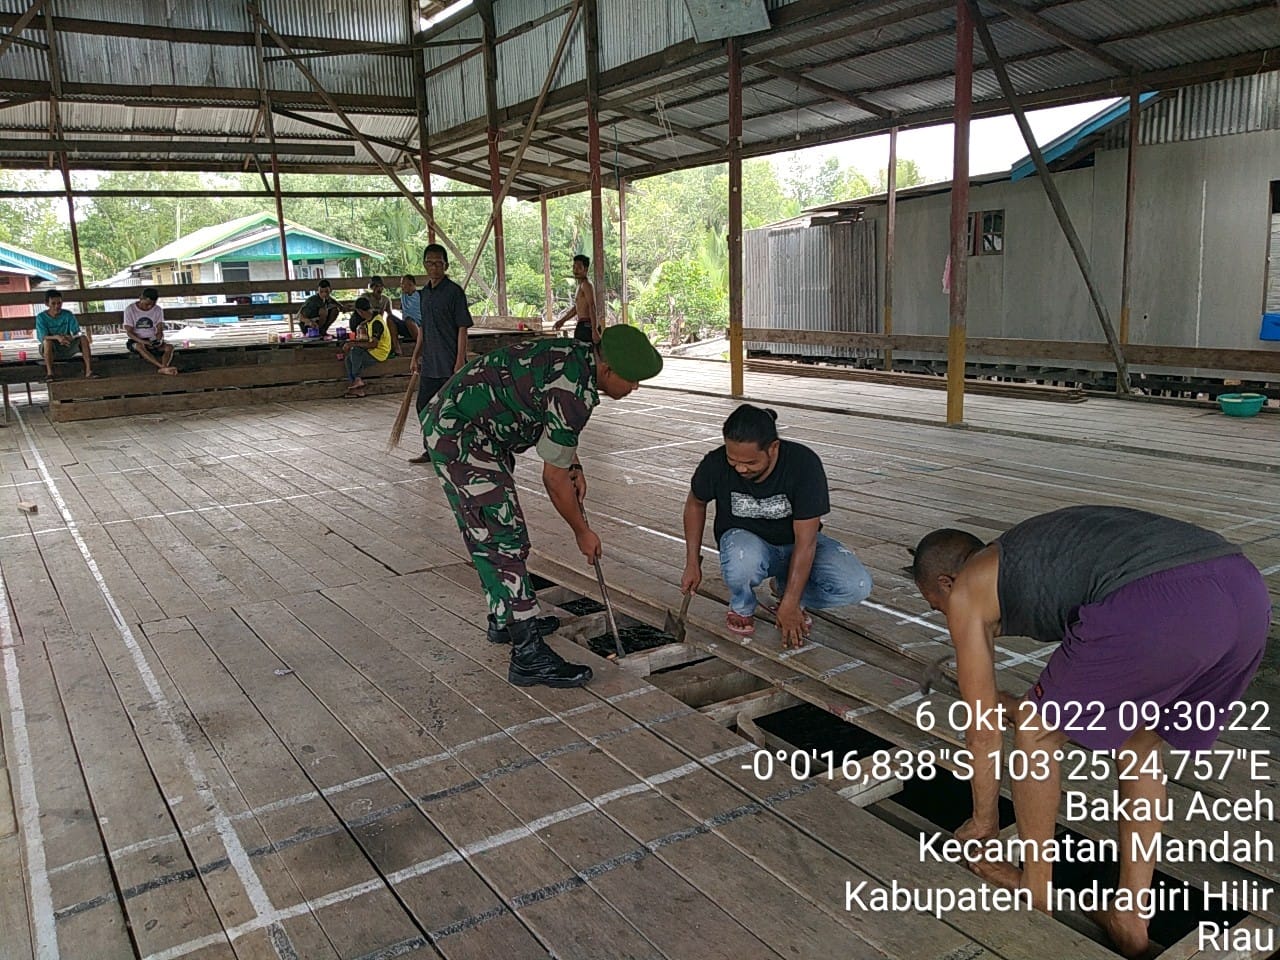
(371, 345)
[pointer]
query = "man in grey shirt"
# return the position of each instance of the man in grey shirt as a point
(441, 350)
(1160, 627)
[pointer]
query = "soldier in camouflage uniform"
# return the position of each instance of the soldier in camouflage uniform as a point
(538, 394)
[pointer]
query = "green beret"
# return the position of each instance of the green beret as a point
(629, 353)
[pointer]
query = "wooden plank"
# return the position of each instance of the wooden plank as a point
(164, 900)
(75, 860)
(975, 386)
(636, 749)
(62, 411)
(578, 923)
(586, 771)
(256, 375)
(1203, 358)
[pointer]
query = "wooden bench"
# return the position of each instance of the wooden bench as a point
(246, 373)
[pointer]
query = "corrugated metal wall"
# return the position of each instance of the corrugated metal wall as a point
(522, 60)
(811, 278)
(456, 95)
(1240, 105)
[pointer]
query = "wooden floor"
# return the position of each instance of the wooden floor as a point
(249, 710)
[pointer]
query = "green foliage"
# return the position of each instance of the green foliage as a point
(677, 230)
(679, 302)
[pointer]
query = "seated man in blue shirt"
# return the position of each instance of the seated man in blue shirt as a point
(770, 497)
(60, 337)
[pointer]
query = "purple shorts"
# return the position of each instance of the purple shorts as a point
(1184, 639)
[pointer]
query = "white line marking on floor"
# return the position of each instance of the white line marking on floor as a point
(44, 928)
(236, 853)
(483, 845)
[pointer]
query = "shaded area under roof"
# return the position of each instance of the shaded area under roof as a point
(158, 83)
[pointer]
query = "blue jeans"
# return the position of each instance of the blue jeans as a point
(836, 579)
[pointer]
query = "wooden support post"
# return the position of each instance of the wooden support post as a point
(1130, 189)
(420, 107)
(71, 218)
(355, 131)
(622, 248)
(1055, 199)
(530, 124)
(736, 379)
(499, 241)
(270, 128)
(591, 40)
(548, 312)
(959, 292)
(494, 133)
(55, 127)
(890, 220)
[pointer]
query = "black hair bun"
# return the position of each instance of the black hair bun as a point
(773, 414)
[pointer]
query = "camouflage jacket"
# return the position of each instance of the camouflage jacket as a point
(540, 392)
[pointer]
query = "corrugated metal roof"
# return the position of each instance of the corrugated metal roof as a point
(144, 70)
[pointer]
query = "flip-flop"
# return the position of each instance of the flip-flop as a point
(354, 395)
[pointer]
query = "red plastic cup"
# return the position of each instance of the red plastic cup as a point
(22, 355)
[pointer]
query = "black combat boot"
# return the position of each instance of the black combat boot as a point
(533, 662)
(545, 626)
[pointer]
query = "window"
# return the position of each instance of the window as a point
(182, 276)
(235, 271)
(986, 233)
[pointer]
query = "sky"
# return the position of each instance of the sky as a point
(995, 144)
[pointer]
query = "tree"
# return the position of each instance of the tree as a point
(908, 175)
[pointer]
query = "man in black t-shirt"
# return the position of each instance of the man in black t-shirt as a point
(770, 497)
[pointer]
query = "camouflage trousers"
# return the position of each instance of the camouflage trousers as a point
(481, 487)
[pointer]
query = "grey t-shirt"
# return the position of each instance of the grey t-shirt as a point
(444, 313)
(1053, 564)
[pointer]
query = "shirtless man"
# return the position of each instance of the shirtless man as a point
(584, 305)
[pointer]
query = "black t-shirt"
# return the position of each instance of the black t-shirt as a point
(796, 489)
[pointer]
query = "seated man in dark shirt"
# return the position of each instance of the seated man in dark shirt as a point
(770, 496)
(319, 311)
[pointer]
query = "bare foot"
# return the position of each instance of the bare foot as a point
(168, 371)
(997, 872)
(1127, 931)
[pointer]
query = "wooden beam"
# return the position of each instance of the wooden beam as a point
(826, 90)
(258, 194)
(957, 263)
(377, 158)
(269, 125)
(183, 97)
(20, 23)
(736, 352)
(1130, 193)
(1034, 20)
(1055, 198)
(424, 125)
(1062, 351)
(622, 251)
(663, 124)
(890, 236)
(548, 309)
(11, 145)
(591, 51)
(500, 193)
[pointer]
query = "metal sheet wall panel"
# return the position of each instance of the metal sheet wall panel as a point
(637, 28)
(812, 278)
(456, 95)
(1226, 107)
(523, 60)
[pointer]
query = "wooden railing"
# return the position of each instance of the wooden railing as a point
(1066, 351)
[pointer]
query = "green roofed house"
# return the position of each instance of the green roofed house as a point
(247, 248)
(22, 270)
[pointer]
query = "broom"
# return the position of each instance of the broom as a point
(402, 415)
